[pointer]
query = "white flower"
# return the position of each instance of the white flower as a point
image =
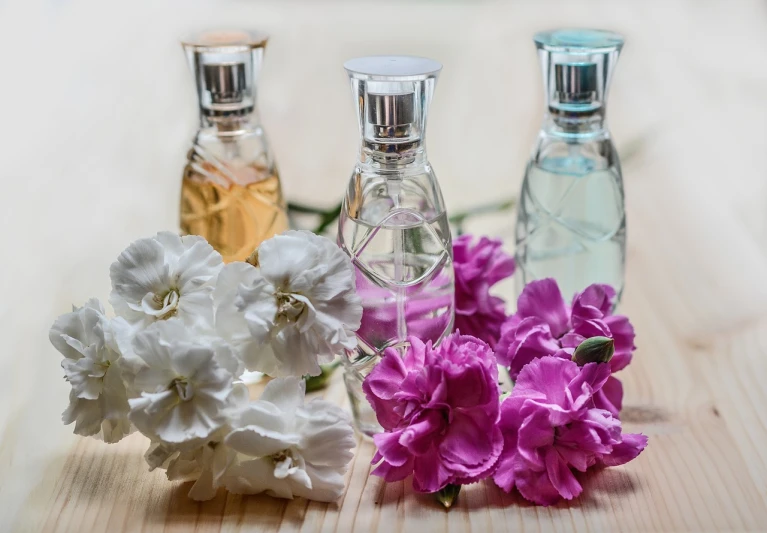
(98, 402)
(204, 464)
(290, 449)
(186, 384)
(161, 277)
(302, 301)
(231, 324)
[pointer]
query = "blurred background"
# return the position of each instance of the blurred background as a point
(99, 105)
(99, 109)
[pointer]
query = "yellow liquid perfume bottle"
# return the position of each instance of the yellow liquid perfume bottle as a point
(231, 192)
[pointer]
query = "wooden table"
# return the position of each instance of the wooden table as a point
(98, 113)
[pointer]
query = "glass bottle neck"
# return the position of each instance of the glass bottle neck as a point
(582, 124)
(230, 125)
(381, 155)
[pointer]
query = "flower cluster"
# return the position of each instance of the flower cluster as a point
(551, 426)
(442, 412)
(543, 325)
(439, 407)
(186, 327)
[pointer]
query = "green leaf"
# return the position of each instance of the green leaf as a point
(315, 383)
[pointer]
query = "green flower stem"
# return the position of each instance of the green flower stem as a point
(329, 216)
(315, 383)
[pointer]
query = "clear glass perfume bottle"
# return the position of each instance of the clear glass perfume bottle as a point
(571, 223)
(393, 223)
(231, 192)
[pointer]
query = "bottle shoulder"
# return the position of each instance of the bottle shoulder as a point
(248, 144)
(373, 193)
(585, 153)
(231, 156)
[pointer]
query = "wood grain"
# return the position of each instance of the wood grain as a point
(96, 162)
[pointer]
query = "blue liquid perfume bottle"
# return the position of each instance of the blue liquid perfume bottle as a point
(571, 223)
(393, 222)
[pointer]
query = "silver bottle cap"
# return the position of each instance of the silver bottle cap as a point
(391, 109)
(576, 83)
(225, 81)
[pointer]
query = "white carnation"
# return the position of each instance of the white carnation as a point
(161, 277)
(186, 384)
(98, 402)
(231, 324)
(289, 449)
(301, 301)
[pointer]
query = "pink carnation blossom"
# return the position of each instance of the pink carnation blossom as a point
(478, 267)
(439, 408)
(543, 325)
(551, 426)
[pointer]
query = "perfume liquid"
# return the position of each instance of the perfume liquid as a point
(234, 218)
(572, 226)
(571, 223)
(393, 222)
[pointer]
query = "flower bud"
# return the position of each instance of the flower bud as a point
(594, 350)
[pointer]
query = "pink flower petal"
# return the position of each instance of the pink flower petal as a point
(537, 487)
(610, 396)
(394, 473)
(622, 333)
(529, 340)
(629, 448)
(535, 434)
(561, 477)
(418, 437)
(469, 441)
(542, 380)
(390, 449)
(542, 299)
(389, 372)
(590, 379)
(429, 474)
(596, 301)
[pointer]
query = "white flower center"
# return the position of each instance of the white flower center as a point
(161, 305)
(289, 308)
(283, 464)
(183, 388)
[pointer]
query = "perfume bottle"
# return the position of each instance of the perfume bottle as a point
(393, 222)
(230, 192)
(571, 224)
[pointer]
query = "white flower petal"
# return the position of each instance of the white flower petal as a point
(197, 265)
(328, 484)
(327, 436)
(185, 393)
(165, 276)
(256, 476)
(139, 269)
(289, 257)
(72, 332)
(257, 302)
(289, 449)
(286, 394)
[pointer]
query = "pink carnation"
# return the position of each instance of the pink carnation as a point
(439, 408)
(551, 427)
(543, 325)
(477, 268)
